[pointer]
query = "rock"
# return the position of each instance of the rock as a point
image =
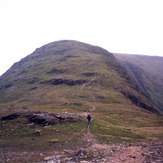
(33, 80)
(45, 118)
(132, 156)
(72, 103)
(31, 124)
(10, 117)
(70, 151)
(89, 74)
(138, 102)
(53, 140)
(8, 85)
(47, 126)
(37, 132)
(56, 71)
(64, 81)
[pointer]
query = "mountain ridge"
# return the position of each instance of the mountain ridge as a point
(59, 48)
(147, 72)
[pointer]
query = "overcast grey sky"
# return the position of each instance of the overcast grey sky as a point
(123, 26)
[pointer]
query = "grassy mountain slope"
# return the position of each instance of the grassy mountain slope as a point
(70, 76)
(148, 72)
(55, 70)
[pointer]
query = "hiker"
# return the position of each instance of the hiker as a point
(89, 119)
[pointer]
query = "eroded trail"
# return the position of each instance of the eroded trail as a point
(112, 153)
(89, 137)
(91, 80)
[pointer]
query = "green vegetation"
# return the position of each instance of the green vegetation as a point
(21, 136)
(147, 72)
(51, 80)
(124, 124)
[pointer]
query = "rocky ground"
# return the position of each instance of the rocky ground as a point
(148, 152)
(142, 152)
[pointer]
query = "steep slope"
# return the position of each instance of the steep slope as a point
(148, 72)
(70, 72)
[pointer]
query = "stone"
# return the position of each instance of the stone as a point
(37, 132)
(43, 118)
(53, 140)
(10, 117)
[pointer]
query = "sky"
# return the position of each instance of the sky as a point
(121, 26)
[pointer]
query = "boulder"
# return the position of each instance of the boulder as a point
(45, 118)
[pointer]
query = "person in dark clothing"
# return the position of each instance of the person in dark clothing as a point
(89, 119)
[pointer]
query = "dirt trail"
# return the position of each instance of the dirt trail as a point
(92, 61)
(118, 153)
(83, 86)
(84, 114)
(89, 137)
(129, 154)
(92, 108)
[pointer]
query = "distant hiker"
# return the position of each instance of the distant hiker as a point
(89, 119)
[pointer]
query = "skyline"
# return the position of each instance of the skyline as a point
(132, 27)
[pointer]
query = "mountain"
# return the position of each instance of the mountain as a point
(46, 96)
(148, 73)
(66, 71)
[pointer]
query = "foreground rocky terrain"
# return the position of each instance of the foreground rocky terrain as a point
(91, 152)
(144, 152)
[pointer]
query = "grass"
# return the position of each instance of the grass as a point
(147, 71)
(115, 117)
(22, 137)
(126, 124)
